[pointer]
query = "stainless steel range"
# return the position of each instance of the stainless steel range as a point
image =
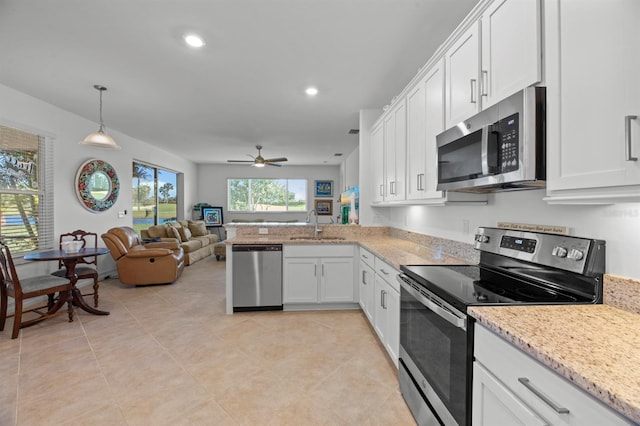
(436, 335)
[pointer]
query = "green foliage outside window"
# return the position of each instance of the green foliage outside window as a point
(267, 195)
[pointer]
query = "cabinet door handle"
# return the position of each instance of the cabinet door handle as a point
(382, 190)
(364, 280)
(315, 270)
(384, 299)
(421, 182)
(537, 392)
(627, 136)
(485, 83)
(383, 271)
(473, 85)
(322, 270)
(364, 256)
(392, 188)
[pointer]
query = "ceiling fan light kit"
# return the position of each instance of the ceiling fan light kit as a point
(260, 161)
(100, 139)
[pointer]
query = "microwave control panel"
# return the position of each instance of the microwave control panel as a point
(508, 143)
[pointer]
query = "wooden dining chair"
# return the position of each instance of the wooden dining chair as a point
(28, 288)
(87, 267)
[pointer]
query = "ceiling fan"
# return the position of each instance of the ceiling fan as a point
(259, 161)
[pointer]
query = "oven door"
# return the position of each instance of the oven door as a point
(434, 350)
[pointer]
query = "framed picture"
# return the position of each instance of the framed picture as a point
(324, 188)
(212, 216)
(324, 207)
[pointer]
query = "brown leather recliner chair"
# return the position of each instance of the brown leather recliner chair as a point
(142, 264)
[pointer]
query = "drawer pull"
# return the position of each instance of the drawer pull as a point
(527, 384)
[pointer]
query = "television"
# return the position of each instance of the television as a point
(212, 216)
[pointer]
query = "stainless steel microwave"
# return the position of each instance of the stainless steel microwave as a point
(501, 148)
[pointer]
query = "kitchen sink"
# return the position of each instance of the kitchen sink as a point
(317, 239)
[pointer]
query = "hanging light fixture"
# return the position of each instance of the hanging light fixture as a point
(100, 139)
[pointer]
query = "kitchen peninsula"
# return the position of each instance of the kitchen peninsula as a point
(393, 246)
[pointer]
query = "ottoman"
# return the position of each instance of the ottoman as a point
(220, 250)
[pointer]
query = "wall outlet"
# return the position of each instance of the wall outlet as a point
(121, 214)
(263, 231)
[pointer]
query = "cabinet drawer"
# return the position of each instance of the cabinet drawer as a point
(511, 367)
(367, 257)
(387, 272)
(318, 250)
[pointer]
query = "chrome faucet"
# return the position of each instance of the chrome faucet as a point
(316, 230)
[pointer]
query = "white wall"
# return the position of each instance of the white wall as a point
(30, 114)
(212, 187)
(618, 225)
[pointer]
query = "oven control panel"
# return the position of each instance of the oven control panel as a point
(569, 253)
(526, 245)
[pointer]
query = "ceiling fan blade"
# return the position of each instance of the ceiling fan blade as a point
(273, 164)
(276, 160)
(240, 161)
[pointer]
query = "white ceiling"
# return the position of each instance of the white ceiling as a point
(245, 87)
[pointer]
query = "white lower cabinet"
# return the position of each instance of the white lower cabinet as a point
(366, 284)
(512, 388)
(386, 313)
(318, 274)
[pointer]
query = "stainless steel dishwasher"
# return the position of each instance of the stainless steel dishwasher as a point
(257, 277)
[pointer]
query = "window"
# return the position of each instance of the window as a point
(154, 196)
(267, 195)
(26, 177)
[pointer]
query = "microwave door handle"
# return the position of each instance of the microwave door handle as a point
(484, 147)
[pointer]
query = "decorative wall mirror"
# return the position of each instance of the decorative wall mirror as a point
(97, 185)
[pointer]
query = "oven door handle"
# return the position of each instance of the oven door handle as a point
(438, 310)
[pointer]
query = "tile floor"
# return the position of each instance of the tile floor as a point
(168, 355)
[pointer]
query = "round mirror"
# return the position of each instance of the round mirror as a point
(97, 185)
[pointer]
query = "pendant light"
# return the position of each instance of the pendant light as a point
(100, 139)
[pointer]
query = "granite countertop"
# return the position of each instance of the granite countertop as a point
(597, 347)
(394, 251)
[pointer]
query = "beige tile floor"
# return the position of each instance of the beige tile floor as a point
(168, 355)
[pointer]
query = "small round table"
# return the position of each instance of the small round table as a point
(70, 260)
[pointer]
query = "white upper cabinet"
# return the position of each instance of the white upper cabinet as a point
(511, 48)
(593, 91)
(395, 145)
(425, 119)
(496, 56)
(377, 162)
(462, 67)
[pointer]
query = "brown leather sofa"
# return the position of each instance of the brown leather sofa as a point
(142, 264)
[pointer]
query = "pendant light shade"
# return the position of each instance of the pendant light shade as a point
(100, 139)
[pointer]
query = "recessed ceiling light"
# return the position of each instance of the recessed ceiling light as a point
(193, 40)
(311, 91)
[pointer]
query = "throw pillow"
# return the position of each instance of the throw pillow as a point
(198, 228)
(185, 234)
(157, 231)
(173, 232)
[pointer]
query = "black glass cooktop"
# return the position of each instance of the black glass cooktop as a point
(466, 285)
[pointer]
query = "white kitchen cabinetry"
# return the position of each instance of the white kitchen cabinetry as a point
(462, 68)
(425, 120)
(495, 57)
(593, 101)
(510, 387)
(366, 284)
(511, 54)
(318, 274)
(395, 143)
(377, 162)
(387, 308)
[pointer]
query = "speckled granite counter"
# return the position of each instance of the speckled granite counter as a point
(392, 250)
(597, 347)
